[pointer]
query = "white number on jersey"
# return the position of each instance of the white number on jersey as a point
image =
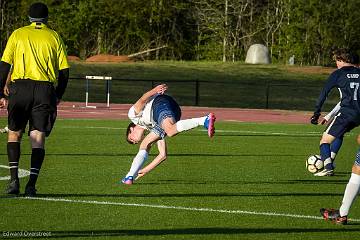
(356, 86)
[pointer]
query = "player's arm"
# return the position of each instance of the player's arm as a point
(157, 160)
(63, 79)
(7, 84)
(4, 72)
(140, 104)
(330, 84)
(331, 114)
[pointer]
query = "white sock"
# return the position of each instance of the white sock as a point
(187, 124)
(351, 191)
(138, 161)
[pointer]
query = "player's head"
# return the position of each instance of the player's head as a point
(134, 133)
(38, 12)
(345, 55)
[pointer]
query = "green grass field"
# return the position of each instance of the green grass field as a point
(249, 182)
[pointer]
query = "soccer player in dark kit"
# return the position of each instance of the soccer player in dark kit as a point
(347, 79)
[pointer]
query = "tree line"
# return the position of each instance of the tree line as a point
(212, 30)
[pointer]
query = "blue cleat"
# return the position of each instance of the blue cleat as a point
(128, 180)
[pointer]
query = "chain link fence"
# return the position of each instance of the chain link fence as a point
(259, 95)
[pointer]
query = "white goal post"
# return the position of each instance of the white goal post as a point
(107, 79)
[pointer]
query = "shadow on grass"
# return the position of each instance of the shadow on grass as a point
(197, 231)
(183, 195)
(210, 183)
(131, 155)
(277, 135)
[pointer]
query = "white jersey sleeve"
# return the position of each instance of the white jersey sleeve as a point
(333, 112)
(144, 118)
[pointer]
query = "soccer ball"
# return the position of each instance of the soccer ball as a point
(314, 164)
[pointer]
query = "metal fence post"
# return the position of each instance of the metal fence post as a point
(267, 94)
(197, 86)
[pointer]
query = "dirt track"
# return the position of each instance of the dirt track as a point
(119, 111)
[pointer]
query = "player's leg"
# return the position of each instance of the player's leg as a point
(37, 140)
(167, 113)
(140, 158)
(336, 129)
(41, 122)
(325, 154)
(207, 121)
(351, 191)
(172, 128)
(18, 115)
(352, 188)
(335, 147)
(13, 152)
(136, 165)
(350, 194)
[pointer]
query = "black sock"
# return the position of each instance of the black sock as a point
(37, 158)
(13, 151)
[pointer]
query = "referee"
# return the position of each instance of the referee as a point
(39, 79)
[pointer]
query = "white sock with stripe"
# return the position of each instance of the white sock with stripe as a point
(351, 191)
(137, 163)
(187, 124)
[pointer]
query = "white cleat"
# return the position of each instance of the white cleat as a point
(324, 172)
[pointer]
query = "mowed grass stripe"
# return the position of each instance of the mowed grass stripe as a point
(217, 130)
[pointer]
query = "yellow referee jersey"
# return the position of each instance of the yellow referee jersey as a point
(36, 52)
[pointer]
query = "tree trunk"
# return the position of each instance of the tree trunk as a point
(225, 30)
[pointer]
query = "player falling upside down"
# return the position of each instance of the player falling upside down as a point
(351, 191)
(347, 79)
(160, 115)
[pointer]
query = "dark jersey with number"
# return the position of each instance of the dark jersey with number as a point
(347, 80)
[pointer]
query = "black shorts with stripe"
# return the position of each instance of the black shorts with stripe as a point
(32, 102)
(343, 122)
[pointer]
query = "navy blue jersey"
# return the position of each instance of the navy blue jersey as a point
(347, 80)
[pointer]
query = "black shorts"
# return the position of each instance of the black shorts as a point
(342, 123)
(33, 102)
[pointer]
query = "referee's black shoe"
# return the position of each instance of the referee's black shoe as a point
(30, 191)
(13, 187)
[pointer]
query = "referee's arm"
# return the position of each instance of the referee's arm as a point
(63, 79)
(4, 71)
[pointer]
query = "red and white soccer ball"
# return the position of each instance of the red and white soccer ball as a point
(314, 163)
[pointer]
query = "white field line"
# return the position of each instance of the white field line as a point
(219, 130)
(273, 214)
(22, 173)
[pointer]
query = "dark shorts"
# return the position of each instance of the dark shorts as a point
(33, 102)
(343, 123)
(164, 107)
(357, 158)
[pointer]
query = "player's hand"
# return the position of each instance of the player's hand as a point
(160, 89)
(6, 90)
(323, 121)
(3, 102)
(315, 118)
(141, 173)
(358, 139)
